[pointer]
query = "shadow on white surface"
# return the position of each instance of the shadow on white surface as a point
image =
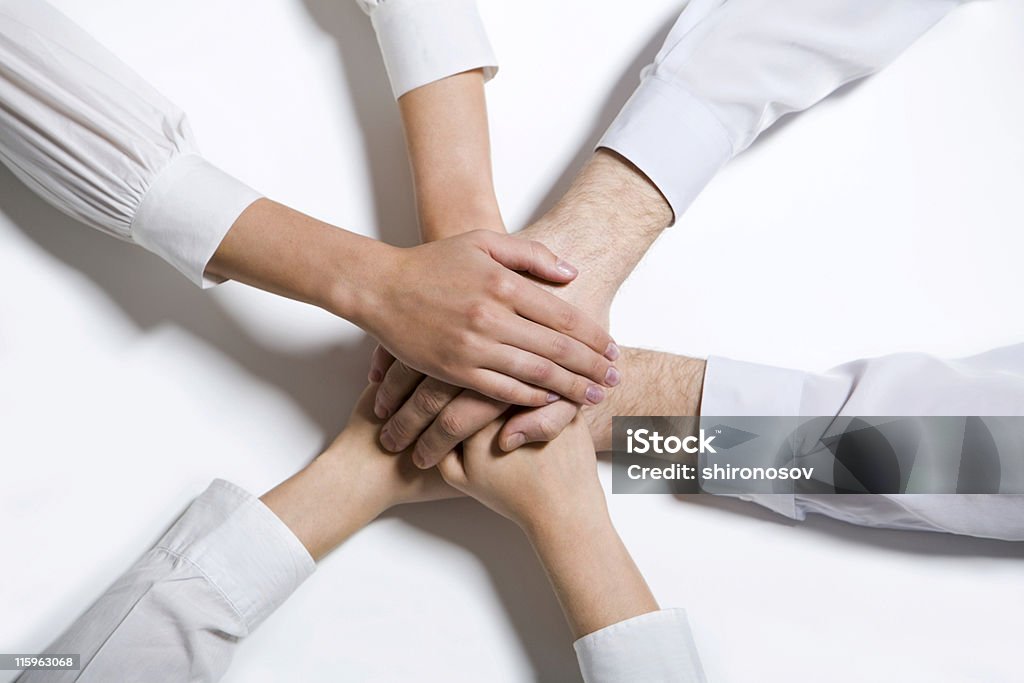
(619, 91)
(910, 542)
(152, 294)
(516, 577)
(377, 115)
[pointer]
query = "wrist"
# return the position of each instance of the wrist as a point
(554, 531)
(447, 213)
(360, 492)
(603, 225)
(353, 287)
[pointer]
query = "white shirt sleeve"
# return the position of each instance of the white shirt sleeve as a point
(655, 648)
(92, 138)
(423, 41)
(178, 614)
(906, 384)
(730, 68)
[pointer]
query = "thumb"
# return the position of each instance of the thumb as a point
(453, 471)
(531, 256)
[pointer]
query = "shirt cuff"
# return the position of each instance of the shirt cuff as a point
(423, 41)
(672, 137)
(186, 212)
(656, 647)
(243, 549)
(735, 388)
(740, 389)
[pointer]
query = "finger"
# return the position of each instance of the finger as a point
(462, 418)
(380, 361)
(416, 414)
(565, 351)
(399, 381)
(530, 256)
(505, 386)
(529, 367)
(550, 311)
(538, 424)
(453, 471)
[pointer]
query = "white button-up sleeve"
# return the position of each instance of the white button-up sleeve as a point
(656, 648)
(94, 139)
(907, 384)
(423, 41)
(730, 68)
(178, 614)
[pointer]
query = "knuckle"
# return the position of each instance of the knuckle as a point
(479, 315)
(536, 251)
(560, 346)
(570, 318)
(540, 371)
(428, 401)
(503, 286)
(398, 427)
(449, 425)
(461, 340)
(578, 387)
(545, 427)
(385, 394)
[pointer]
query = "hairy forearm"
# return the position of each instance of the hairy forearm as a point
(447, 137)
(605, 222)
(283, 251)
(658, 384)
(593, 575)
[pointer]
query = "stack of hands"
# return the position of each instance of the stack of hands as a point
(550, 490)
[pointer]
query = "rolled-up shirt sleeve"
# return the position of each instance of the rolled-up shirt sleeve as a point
(729, 69)
(423, 41)
(91, 137)
(657, 647)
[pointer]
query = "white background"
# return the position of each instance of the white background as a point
(888, 218)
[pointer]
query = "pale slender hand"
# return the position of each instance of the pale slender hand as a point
(534, 486)
(552, 492)
(437, 416)
(454, 310)
(350, 484)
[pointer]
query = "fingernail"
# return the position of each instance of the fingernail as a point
(386, 440)
(419, 460)
(612, 377)
(380, 411)
(552, 397)
(376, 376)
(595, 394)
(566, 268)
(612, 352)
(515, 441)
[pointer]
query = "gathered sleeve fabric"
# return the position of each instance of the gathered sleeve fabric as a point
(94, 139)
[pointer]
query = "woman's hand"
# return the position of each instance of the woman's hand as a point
(553, 493)
(455, 310)
(350, 484)
(537, 486)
